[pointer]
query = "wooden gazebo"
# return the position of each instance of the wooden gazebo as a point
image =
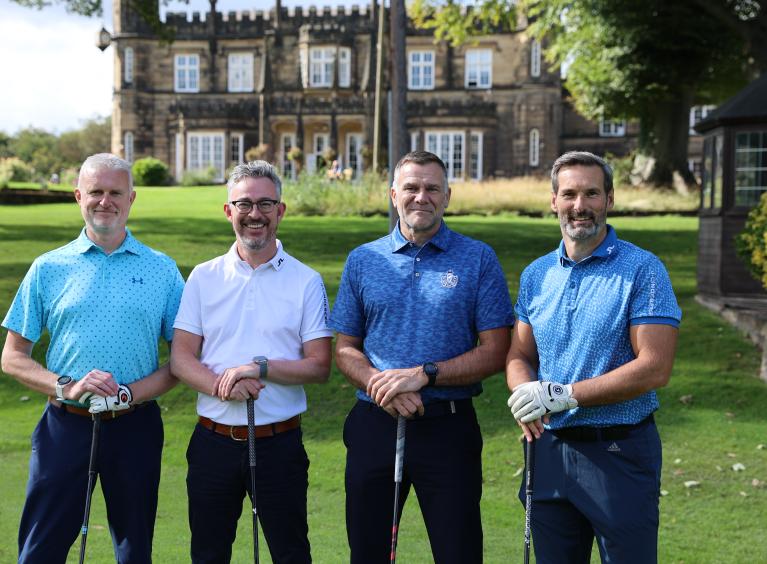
(734, 178)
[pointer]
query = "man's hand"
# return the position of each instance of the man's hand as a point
(406, 404)
(118, 402)
(244, 389)
(385, 386)
(230, 376)
(532, 400)
(96, 382)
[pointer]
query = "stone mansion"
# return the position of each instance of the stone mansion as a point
(306, 78)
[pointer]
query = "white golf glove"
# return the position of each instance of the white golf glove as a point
(110, 403)
(533, 400)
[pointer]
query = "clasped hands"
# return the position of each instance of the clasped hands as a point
(397, 390)
(239, 383)
(101, 392)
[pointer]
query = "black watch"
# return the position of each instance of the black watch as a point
(431, 371)
(263, 366)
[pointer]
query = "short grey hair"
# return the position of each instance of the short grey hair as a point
(421, 158)
(254, 169)
(581, 158)
(106, 161)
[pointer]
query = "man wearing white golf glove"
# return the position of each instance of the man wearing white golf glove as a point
(600, 315)
(119, 402)
(533, 400)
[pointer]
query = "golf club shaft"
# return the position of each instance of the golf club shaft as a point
(529, 466)
(398, 463)
(252, 460)
(91, 483)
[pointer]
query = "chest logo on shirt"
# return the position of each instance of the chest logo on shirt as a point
(449, 280)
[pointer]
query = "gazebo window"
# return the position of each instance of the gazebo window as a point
(711, 193)
(750, 167)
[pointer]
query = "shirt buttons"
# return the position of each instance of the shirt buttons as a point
(417, 274)
(418, 259)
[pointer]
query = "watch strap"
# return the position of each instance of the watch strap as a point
(263, 366)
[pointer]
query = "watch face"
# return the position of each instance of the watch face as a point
(64, 380)
(430, 369)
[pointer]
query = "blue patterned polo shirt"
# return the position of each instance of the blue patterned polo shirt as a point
(413, 304)
(102, 311)
(581, 314)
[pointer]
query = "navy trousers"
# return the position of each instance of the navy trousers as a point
(129, 456)
(442, 463)
(217, 480)
(604, 489)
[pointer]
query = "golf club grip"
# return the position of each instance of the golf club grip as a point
(91, 483)
(400, 449)
(251, 433)
(529, 475)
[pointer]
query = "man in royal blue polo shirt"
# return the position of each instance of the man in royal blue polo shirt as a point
(105, 299)
(422, 316)
(596, 335)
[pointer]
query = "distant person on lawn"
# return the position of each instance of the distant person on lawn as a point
(595, 336)
(105, 300)
(252, 324)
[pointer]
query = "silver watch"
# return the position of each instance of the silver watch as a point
(263, 366)
(61, 383)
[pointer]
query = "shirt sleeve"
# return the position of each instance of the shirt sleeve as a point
(348, 316)
(175, 290)
(653, 300)
(27, 315)
(189, 317)
(521, 307)
(314, 322)
(494, 307)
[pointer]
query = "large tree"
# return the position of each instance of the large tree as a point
(649, 60)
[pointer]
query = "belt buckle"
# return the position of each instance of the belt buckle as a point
(231, 435)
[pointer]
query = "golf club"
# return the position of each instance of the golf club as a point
(398, 462)
(529, 465)
(252, 457)
(91, 482)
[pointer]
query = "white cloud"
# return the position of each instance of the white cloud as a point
(51, 73)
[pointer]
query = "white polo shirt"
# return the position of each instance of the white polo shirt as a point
(242, 312)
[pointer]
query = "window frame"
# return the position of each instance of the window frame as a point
(420, 65)
(478, 66)
(128, 146)
(128, 60)
(612, 127)
(447, 154)
(535, 58)
(534, 147)
(191, 81)
(199, 138)
(325, 64)
(239, 70)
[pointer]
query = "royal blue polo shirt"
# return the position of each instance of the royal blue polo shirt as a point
(102, 311)
(412, 305)
(581, 314)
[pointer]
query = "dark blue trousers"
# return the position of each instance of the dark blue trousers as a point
(129, 455)
(442, 463)
(217, 480)
(608, 489)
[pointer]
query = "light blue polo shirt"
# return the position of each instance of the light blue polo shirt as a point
(102, 311)
(413, 304)
(581, 314)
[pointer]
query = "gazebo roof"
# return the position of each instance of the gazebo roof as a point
(749, 106)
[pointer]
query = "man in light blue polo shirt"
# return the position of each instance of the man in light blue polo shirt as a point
(596, 335)
(105, 300)
(422, 316)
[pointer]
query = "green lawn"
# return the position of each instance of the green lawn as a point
(721, 520)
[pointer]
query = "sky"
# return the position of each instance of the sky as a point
(52, 75)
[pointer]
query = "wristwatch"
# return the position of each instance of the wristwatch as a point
(431, 371)
(263, 366)
(60, 384)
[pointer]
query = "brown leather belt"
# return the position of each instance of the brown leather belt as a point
(82, 411)
(240, 432)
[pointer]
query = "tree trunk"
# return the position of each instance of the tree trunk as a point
(399, 136)
(665, 140)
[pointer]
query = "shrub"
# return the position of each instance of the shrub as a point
(150, 172)
(14, 169)
(205, 177)
(752, 241)
(261, 152)
(69, 176)
(315, 194)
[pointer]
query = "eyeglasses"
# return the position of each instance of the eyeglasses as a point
(245, 206)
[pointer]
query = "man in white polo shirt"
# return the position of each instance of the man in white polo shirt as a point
(252, 324)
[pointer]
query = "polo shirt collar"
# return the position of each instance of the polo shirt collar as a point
(441, 238)
(277, 262)
(605, 249)
(83, 244)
